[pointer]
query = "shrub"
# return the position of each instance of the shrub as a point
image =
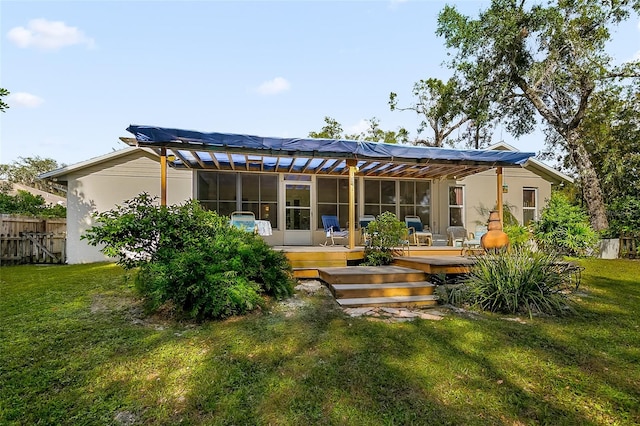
(518, 235)
(564, 228)
(520, 281)
(386, 233)
(191, 257)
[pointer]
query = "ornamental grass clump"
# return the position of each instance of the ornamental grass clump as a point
(519, 281)
(192, 259)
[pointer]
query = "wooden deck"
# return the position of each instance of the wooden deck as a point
(306, 260)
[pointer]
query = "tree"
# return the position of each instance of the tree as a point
(26, 171)
(446, 107)
(546, 60)
(333, 130)
(3, 93)
(438, 106)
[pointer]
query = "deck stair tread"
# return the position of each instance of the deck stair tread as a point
(389, 301)
(418, 284)
(370, 275)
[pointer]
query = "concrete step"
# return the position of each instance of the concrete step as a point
(349, 291)
(396, 301)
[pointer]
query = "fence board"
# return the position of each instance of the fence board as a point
(32, 240)
(629, 244)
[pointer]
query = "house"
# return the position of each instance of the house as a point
(293, 182)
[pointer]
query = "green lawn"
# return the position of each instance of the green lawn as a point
(75, 349)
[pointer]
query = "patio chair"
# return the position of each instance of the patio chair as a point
(474, 241)
(332, 229)
(244, 220)
(417, 231)
(457, 235)
(364, 221)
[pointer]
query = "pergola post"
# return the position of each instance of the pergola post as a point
(352, 163)
(163, 176)
(499, 195)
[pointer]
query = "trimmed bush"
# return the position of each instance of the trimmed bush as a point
(519, 281)
(191, 258)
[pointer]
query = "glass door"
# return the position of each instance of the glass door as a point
(297, 212)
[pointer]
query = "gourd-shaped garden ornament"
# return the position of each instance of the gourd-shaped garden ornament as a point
(495, 238)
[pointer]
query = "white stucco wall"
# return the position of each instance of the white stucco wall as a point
(100, 187)
(480, 191)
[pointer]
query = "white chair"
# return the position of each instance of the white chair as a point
(332, 229)
(244, 220)
(457, 235)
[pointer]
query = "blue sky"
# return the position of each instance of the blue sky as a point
(81, 72)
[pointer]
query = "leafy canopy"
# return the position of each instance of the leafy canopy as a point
(541, 60)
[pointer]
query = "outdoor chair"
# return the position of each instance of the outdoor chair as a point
(474, 241)
(457, 235)
(417, 231)
(364, 221)
(332, 229)
(244, 220)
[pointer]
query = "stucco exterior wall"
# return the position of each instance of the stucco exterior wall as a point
(100, 187)
(480, 193)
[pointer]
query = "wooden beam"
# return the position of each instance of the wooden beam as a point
(198, 159)
(499, 192)
(352, 202)
(214, 159)
(231, 164)
(163, 176)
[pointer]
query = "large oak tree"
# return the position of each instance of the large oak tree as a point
(542, 59)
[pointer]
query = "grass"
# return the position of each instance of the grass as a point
(76, 349)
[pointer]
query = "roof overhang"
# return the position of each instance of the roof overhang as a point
(236, 152)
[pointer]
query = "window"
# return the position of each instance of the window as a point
(456, 206)
(333, 199)
(379, 196)
(529, 205)
(415, 200)
(259, 194)
(217, 191)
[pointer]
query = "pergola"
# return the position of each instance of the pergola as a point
(236, 152)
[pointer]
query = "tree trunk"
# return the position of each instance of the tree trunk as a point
(591, 189)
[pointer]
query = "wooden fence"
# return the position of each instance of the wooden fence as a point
(629, 244)
(32, 240)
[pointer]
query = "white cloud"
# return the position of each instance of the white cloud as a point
(275, 86)
(48, 35)
(23, 99)
(360, 127)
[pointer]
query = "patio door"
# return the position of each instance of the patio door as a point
(297, 231)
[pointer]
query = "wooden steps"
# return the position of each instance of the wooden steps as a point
(391, 286)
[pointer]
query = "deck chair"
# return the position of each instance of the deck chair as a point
(364, 221)
(332, 229)
(417, 231)
(244, 220)
(474, 241)
(457, 235)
